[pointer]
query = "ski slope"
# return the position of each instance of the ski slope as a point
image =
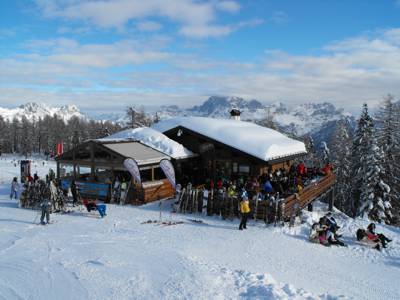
(81, 256)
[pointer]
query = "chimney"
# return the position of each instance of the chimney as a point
(235, 114)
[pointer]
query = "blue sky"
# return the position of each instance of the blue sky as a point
(105, 55)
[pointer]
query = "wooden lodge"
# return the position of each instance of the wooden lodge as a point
(95, 164)
(232, 149)
(201, 150)
(229, 149)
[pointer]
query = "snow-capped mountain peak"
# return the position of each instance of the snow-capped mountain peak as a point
(34, 110)
(302, 119)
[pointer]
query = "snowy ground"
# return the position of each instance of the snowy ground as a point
(83, 257)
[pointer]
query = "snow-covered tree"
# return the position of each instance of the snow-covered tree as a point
(359, 151)
(388, 138)
(370, 192)
(374, 198)
(341, 160)
(312, 157)
(26, 135)
(326, 153)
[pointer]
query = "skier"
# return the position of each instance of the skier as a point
(14, 188)
(244, 210)
(45, 206)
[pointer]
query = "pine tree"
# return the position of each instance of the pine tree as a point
(326, 153)
(387, 134)
(375, 200)
(26, 137)
(360, 149)
(312, 157)
(341, 159)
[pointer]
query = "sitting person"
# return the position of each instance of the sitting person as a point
(101, 208)
(323, 233)
(332, 224)
(318, 234)
(373, 236)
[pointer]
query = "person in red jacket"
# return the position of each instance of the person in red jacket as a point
(301, 169)
(373, 236)
(327, 169)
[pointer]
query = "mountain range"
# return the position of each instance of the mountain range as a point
(35, 111)
(309, 119)
(304, 119)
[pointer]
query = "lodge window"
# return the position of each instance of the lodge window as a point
(243, 168)
(234, 167)
(147, 174)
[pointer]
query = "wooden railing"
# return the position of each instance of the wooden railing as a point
(309, 194)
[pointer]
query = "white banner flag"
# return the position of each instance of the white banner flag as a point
(168, 170)
(133, 168)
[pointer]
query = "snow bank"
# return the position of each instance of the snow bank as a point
(119, 258)
(258, 141)
(151, 138)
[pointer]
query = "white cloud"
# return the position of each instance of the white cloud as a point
(346, 72)
(229, 6)
(149, 26)
(193, 16)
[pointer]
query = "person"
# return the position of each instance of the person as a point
(54, 195)
(267, 187)
(35, 177)
(74, 193)
(373, 236)
(330, 226)
(29, 178)
(327, 169)
(14, 188)
(45, 206)
(301, 169)
(318, 234)
(244, 210)
(232, 191)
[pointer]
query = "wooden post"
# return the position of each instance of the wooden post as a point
(331, 198)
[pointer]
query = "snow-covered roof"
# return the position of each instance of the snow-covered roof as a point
(258, 141)
(151, 138)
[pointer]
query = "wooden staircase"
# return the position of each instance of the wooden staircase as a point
(309, 194)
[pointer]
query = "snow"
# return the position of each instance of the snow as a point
(151, 138)
(81, 256)
(258, 141)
